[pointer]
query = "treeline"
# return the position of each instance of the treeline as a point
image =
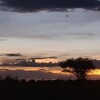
(14, 89)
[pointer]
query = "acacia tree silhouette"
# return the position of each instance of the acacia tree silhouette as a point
(79, 66)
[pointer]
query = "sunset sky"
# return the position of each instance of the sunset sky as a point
(63, 34)
(48, 31)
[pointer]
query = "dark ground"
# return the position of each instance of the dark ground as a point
(13, 89)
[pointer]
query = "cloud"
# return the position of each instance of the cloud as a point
(37, 5)
(53, 57)
(81, 35)
(13, 55)
(42, 36)
(2, 39)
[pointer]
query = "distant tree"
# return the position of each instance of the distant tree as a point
(79, 66)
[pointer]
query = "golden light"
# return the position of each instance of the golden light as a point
(94, 72)
(53, 70)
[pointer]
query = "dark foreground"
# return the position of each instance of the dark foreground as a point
(13, 89)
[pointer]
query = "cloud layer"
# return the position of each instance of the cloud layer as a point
(13, 55)
(53, 57)
(37, 5)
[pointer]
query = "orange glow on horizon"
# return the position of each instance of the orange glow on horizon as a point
(54, 70)
(94, 72)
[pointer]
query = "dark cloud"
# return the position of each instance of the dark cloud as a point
(53, 57)
(10, 57)
(37, 5)
(13, 55)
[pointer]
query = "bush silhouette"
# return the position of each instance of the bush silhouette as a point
(79, 66)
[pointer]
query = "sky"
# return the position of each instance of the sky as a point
(49, 30)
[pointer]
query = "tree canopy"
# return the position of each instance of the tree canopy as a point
(79, 66)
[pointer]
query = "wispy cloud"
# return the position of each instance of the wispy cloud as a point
(53, 57)
(53, 36)
(37, 5)
(3, 39)
(13, 55)
(42, 36)
(81, 35)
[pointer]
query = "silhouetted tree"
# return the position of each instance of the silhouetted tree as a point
(79, 66)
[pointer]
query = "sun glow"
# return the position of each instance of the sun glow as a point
(48, 71)
(54, 70)
(95, 72)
